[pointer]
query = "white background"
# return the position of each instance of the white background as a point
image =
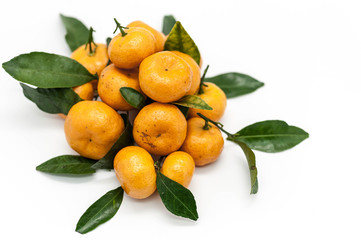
(308, 54)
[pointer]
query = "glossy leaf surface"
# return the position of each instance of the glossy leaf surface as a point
(176, 198)
(51, 100)
(46, 70)
(271, 136)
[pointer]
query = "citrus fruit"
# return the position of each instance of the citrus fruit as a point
(111, 80)
(129, 51)
(179, 166)
(160, 128)
(159, 36)
(92, 127)
(165, 77)
(204, 146)
(196, 72)
(214, 97)
(85, 91)
(134, 168)
(95, 62)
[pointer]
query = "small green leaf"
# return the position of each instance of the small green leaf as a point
(67, 164)
(108, 40)
(168, 23)
(76, 32)
(100, 211)
(52, 100)
(235, 84)
(251, 159)
(271, 136)
(193, 101)
(124, 140)
(179, 40)
(176, 198)
(47, 70)
(133, 97)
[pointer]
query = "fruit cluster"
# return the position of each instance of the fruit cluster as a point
(137, 60)
(156, 78)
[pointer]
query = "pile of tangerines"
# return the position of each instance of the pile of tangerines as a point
(135, 59)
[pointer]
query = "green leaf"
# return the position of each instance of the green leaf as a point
(193, 101)
(76, 32)
(133, 97)
(67, 164)
(179, 40)
(176, 198)
(271, 136)
(251, 159)
(235, 84)
(124, 140)
(47, 70)
(168, 23)
(51, 100)
(108, 40)
(100, 211)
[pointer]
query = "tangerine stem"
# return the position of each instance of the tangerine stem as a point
(90, 42)
(206, 125)
(217, 124)
(120, 27)
(200, 91)
(158, 164)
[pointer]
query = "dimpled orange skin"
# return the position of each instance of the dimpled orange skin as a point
(111, 80)
(179, 166)
(196, 71)
(165, 77)
(159, 36)
(93, 63)
(92, 127)
(160, 128)
(134, 168)
(214, 97)
(85, 92)
(204, 146)
(129, 51)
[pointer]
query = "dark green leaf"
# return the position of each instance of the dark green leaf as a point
(251, 159)
(124, 140)
(176, 198)
(100, 211)
(271, 136)
(168, 23)
(76, 32)
(235, 84)
(133, 97)
(108, 40)
(179, 40)
(193, 101)
(52, 100)
(47, 70)
(184, 110)
(67, 164)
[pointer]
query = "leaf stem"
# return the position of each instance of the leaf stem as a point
(217, 124)
(90, 42)
(201, 91)
(120, 27)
